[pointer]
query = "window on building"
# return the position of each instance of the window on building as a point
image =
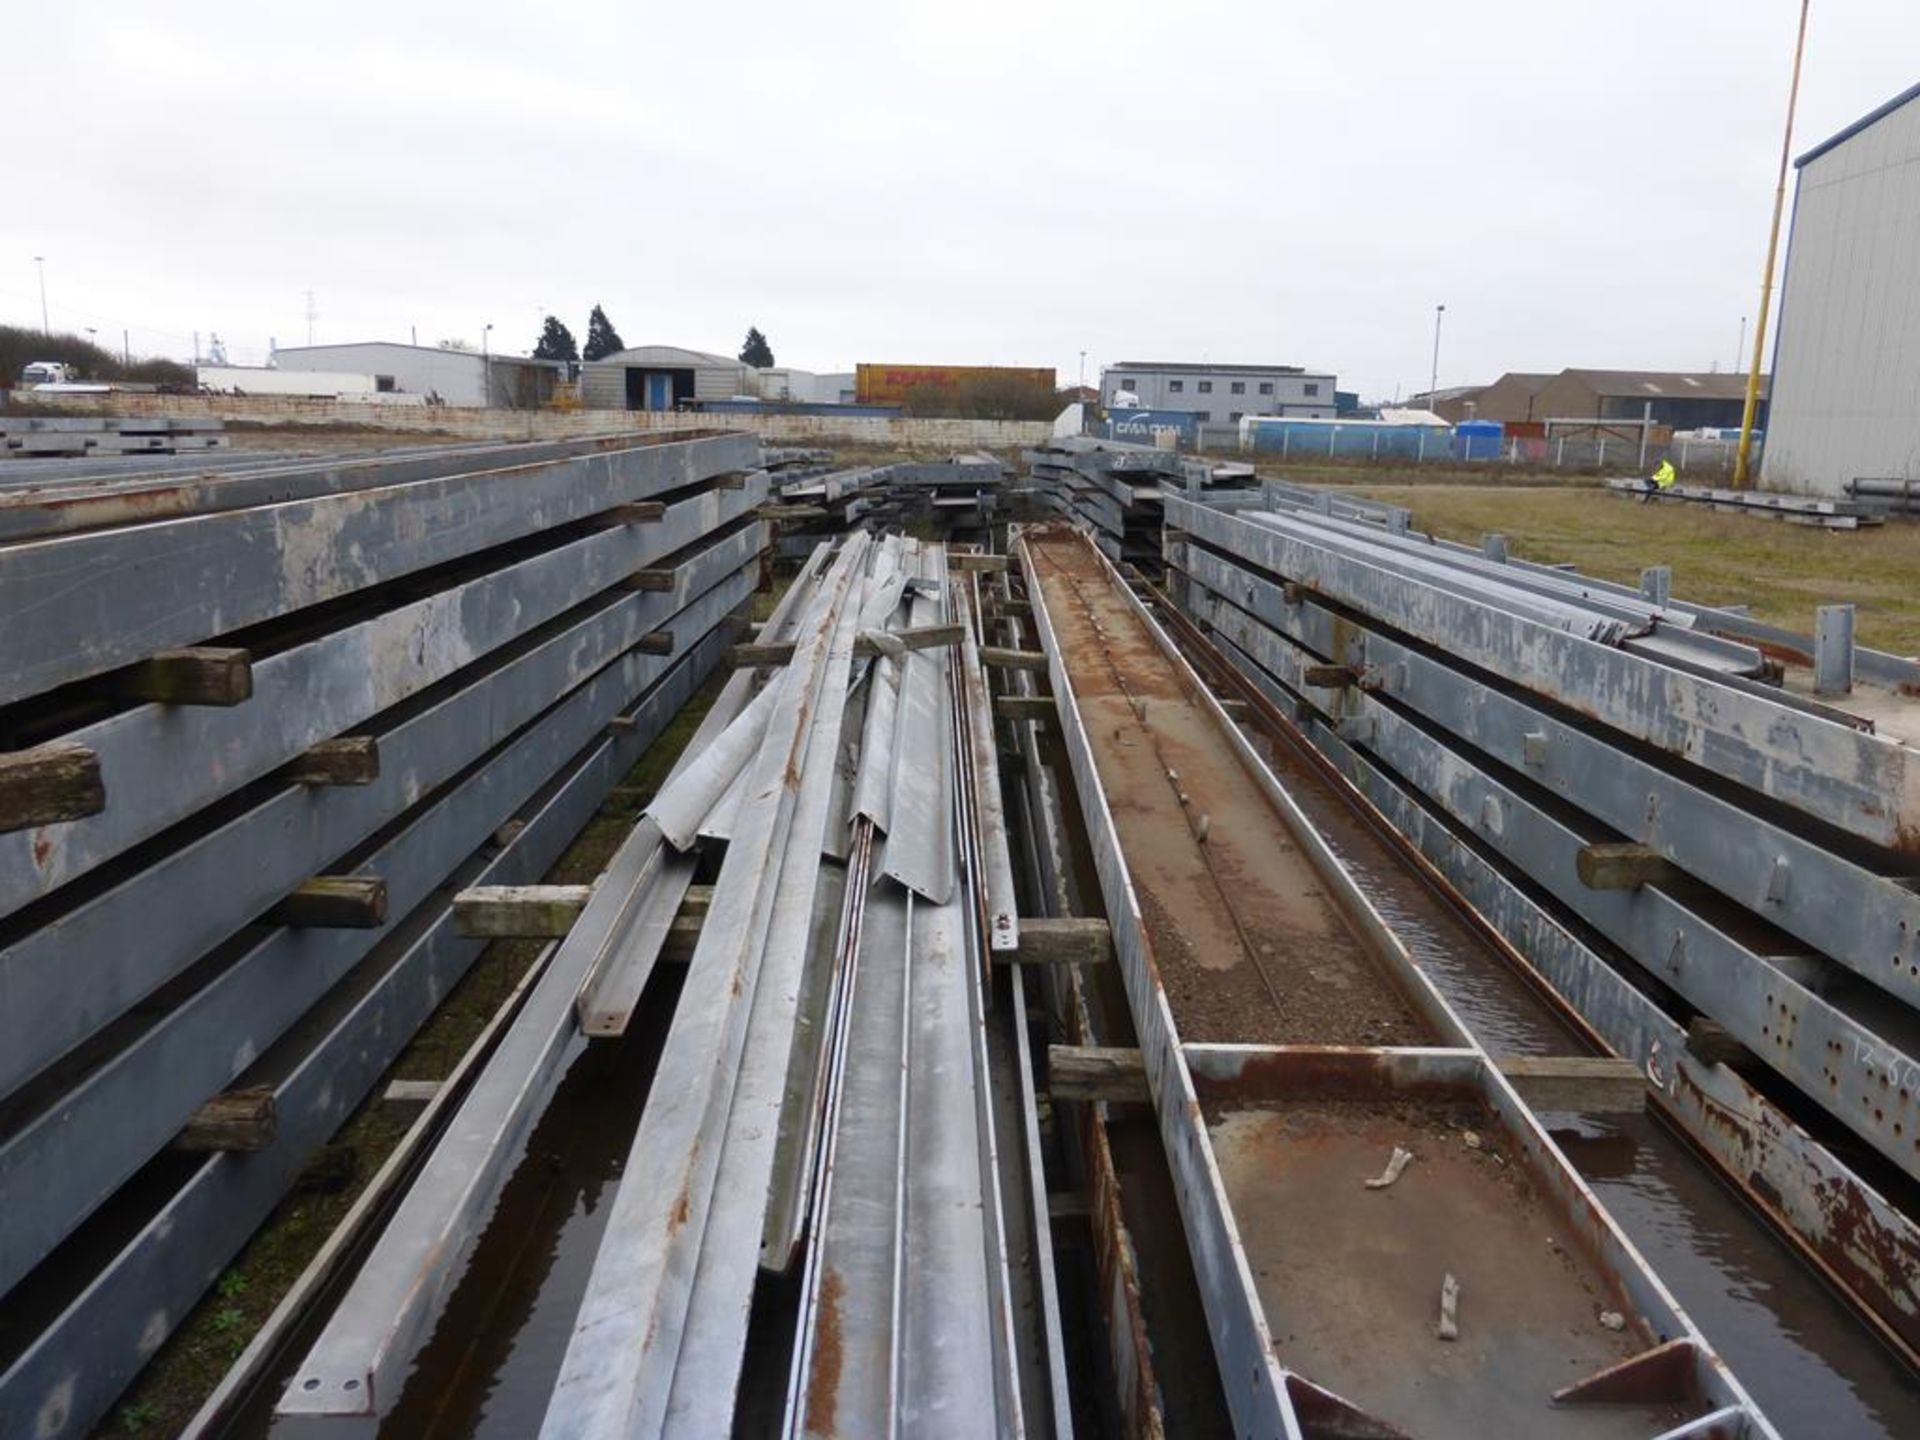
(1174, 387)
(1235, 415)
(1205, 387)
(1121, 382)
(1239, 387)
(1203, 416)
(1312, 387)
(1266, 387)
(384, 384)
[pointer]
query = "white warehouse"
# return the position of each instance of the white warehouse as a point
(1845, 402)
(1221, 394)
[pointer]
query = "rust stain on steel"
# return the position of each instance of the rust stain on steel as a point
(1126, 1320)
(1857, 1254)
(823, 1386)
(1325, 1072)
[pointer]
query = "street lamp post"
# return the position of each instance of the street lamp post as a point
(1433, 380)
(486, 358)
(41, 261)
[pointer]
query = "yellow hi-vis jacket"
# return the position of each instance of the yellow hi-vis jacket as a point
(1664, 476)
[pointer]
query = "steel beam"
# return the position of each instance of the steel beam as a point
(1840, 1062)
(1862, 783)
(67, 978)
(162, 764)
(57, 1168)
(209, 575)
(1866, 920)
(50, 1391)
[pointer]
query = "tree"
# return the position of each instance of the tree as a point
(602, 339)
(556, 342)
(756, 352)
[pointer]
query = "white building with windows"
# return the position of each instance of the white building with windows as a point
(1221, 394)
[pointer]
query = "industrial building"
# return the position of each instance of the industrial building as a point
(669, 377)
(1675, 400)
(1222, 393)
(1847, 350)
(447, 377)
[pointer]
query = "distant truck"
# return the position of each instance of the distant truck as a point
(47, 372)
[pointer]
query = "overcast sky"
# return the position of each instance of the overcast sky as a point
(1015, 181)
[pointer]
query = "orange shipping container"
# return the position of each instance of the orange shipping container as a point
(889, 384)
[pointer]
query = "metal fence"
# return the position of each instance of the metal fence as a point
(1355, 444)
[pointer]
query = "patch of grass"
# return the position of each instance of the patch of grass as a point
(1782, 571)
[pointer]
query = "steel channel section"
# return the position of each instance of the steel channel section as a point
(1867, 921)
(82, 604)
(57, 1169)
(1241, 1336)
(617, 1373)
(1845, 1227)
(1223, 1070)
(1862, 1243)
(76, 973)
(1254, 1381)
(162, 762)
(66, 1380)
(1865, 1081)
(90, 494)
(1861, 783)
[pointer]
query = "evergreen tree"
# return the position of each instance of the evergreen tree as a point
(602, 339)
(556, 342)
(756, 352)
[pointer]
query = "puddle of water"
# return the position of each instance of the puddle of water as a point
(1813, 1368)
(489, 1367)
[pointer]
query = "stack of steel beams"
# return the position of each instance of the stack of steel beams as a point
(819, 1136)
(1698, 828)
(1116, 489)
(251, 746)
(957, 499)
(28, 437)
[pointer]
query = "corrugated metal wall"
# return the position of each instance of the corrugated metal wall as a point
(1846, 379)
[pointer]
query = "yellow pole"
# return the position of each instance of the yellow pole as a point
(1741, 478)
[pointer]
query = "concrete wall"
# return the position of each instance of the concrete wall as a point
(1846, 375)
(473, 423)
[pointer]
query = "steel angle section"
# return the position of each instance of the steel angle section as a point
(920, 804)
(616, 1375)
(129, 940)
(1862, 783)
(1843, 909)
(1240, 1334)
(212, 574)
(775, 1068)
(70, 1374)
(162, 762)
(981, 751)
(607, 1000)
(626, 921)
(684, 802)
